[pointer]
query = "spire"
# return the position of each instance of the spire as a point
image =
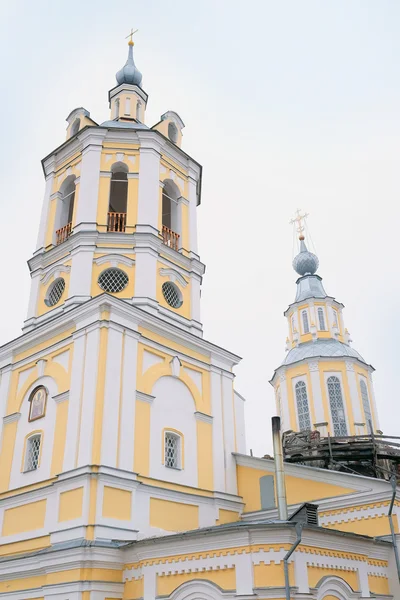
(129, 73)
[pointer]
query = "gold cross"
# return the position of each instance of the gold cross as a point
(299, 219)
(131, 35)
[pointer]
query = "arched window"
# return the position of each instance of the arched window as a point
(170, 215)
(32, 452)
(118, 198)
(366, 405)
(66, 210)
(172, 450)
(304, 316)
(321, 318)
(303, 411)
(75, 127)
(337, 407)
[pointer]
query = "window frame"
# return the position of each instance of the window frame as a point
(305, 320)
(345, 422)
(366, 401)
(28, 441)
(179, 437)
(296, 387)
(321, 318)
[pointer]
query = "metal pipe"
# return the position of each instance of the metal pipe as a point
(299, 529)
(393, 481)
(279, 470)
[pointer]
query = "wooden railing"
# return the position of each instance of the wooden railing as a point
(116, 221)
(63, 233)
(170, 238)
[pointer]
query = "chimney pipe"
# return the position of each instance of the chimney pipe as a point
(279, 470)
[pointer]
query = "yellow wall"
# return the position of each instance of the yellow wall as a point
(227, 516)
(60, 436)
(225, 579)
(27, 517)
(205, 455)
(378, 585)
(134, 589)
(298, 489)
(185, 309)
(371, 526)
(142, 438)
(117, 503)
(71, 503)
(272, 575)
(127, 292)
(173, 516)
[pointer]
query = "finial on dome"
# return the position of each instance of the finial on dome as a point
(129, 72)
(305, 263)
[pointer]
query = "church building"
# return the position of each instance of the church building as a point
(123, 465)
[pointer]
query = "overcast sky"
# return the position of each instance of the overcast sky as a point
(287, 104)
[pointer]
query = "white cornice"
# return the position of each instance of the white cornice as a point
(199, 416)
(61, 397)
(12, 418)
(173, 276)
(144, 397)
(56, 271)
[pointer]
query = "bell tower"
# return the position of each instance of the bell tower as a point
(118, 420)
(323, 383)
(119, 214)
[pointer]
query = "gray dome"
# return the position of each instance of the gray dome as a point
(321, 349)
(305, 263)
(129, 73)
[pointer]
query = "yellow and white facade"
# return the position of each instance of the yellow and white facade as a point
(123, 466)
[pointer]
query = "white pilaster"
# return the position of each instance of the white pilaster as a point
(149, 582)
(88, 400)
(128, 403)
(363, 579)
(285, 416)
(373, 400)
(316, 396)
(81, 275)
(300, 572)
(217, 430)
(195, 283)
(86, 210)
(4, 388)
(354, 395)
(75, 400)
(229, 433)
(244, 574)
(145, 273)
(149, 177)
(112, 390)
(192, 213)
(45, 206)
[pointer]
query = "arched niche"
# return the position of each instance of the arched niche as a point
(173, 409)
(335, 588)
(200, 590)
(170, 207)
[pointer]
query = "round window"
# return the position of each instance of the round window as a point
(55, 291)
(172, 294)
(113, 280)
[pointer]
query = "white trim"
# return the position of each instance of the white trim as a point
(173, 276)
(114, 259)
(199, 416)
(11, 418)
(61, 397)
(144, 397)
(56, 271)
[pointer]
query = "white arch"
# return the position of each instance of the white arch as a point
(199, 590)
(334, 586)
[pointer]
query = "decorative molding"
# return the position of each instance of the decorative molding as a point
(349, 366)
(313, 366)
(56, 271)
(175, 366)
(173, 276)
(106, 174)
(61, 397)
(133, 175)
(144, 397)
(282, 375)
(114, 259)
(323, 424)
(199, 416)
(120, 156)
(12, 418)
(182, 200)
(41, 365)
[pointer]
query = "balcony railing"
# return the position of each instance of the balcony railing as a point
(63, 233)
(116, 221)
(170, 238)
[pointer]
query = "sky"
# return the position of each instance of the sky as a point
(287, 105)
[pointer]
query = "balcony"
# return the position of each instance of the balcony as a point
(170, 238)
(63, 233)
(116, 222)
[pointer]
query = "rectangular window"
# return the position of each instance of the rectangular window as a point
(172, 450)
(32, 453)
(127, 106)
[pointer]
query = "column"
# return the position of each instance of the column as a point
(218, 434)
(128, 402)
(192, 183)
(285, 416)
(244, 574)
(87, 201)
(354, 400)
(229, 432)
(33, 298)
(149, 177)
(49, 167)
(316, 398)
(80, 283)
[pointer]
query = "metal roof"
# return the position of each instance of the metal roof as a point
(321, 348)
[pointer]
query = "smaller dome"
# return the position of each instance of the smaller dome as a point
(305, 263)
(129, 72)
